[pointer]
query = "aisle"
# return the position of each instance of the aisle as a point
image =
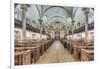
(56, 54)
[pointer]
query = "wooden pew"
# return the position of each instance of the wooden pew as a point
(63, 41)
(35, 48)
(77, 51)
(66, 43)
(87, 55)
(45, 45)
(79, 42)
(35, 55)
(69, 44)
(72, 46)
(22, 57)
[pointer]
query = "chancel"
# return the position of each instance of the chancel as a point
(53, 34)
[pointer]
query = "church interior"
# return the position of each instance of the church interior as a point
(45, 34)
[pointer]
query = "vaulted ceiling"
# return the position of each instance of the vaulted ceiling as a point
(56, 17)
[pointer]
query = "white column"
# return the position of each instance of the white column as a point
(73, 28)
(40, 20)
(67, 33)
(24, 9)
(86, 11)
(86, 29)
(41, 31)
(24, 24)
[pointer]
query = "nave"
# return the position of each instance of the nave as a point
(56, 54)
(46, 34)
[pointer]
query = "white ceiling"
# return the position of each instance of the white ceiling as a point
(52, 14)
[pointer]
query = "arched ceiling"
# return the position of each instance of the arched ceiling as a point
(56, 10)
(57, 26)
(55, 19)
(56, 16)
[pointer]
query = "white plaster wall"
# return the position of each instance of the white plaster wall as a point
(29, 35)
(82, 35)
(62, 33)
(20, 34)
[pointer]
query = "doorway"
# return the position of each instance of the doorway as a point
(57, 35)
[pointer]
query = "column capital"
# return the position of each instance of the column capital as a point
(86, 10)
(15, 5)
(40, 20)
(73, 21)
(25, 6)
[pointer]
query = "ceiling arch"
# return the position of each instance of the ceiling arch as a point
(57, 23)
(57, 17)
(57, 26)
(74, 13)
(46, 10)
(56, 20)
(38, 10)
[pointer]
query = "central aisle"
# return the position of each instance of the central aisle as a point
(56, 54)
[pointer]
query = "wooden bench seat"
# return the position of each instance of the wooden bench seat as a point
(22, 57)
(22, 44)
(76, 43)
(68, 44)
(35, 52)
(77, 50)
(45, 45)
(87, 54)
(37, 48)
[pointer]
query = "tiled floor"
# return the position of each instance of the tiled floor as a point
(56, 54)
